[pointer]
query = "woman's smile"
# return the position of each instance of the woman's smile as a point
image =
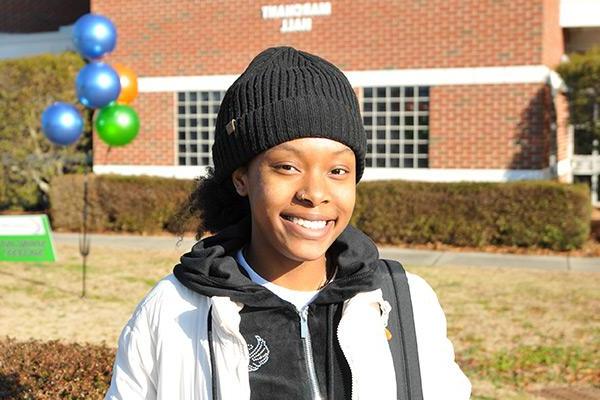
(308, 229)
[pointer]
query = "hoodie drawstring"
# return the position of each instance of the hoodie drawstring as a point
(330, 368)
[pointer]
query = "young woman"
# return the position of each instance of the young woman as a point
(283, 302)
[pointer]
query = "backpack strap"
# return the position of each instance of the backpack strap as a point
(213, 366)
(403, 343)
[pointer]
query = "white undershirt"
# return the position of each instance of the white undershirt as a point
(298, 298)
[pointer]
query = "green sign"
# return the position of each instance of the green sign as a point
(26, 238)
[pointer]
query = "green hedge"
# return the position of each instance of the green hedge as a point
(117, 203)
(529, 214)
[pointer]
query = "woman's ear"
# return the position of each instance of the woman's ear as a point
(239, 177)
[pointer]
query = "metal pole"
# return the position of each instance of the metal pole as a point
(84, 240)
(595, 171)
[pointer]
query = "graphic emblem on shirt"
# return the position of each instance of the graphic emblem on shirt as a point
(259, 354)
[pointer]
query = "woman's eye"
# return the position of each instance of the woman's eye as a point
(285, 167)
(339, 171)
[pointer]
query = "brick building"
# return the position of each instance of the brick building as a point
(450, 90)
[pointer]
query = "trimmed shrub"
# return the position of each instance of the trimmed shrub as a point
(66, 204)
(527, 214)
(531, 213)
(53, 370)
(117, 203)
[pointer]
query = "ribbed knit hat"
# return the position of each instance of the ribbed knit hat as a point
(285, 94)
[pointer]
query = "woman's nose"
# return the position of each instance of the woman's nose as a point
(313, 191)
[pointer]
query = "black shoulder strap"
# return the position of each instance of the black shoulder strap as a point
(403, 343)
(213, 367)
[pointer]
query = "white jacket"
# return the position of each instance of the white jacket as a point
(163, 350)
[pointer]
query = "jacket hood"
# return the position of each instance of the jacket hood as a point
(210, 267)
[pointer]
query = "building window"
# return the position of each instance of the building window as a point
(196, 116)
(396, 120)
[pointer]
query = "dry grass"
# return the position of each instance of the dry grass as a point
(520, 330)
(43, 301)
(514, 331)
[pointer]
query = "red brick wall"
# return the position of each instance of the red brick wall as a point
(25, 16)
(562, 126)
(553, 40)
(472, 126)
(155, 143)
(191, 37)
(489, 126)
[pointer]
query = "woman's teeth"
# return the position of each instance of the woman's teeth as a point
(308, 224)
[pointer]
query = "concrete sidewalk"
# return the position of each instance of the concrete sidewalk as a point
(406, 256)
(479, 259)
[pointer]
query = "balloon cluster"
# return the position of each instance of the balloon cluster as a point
(99, 86)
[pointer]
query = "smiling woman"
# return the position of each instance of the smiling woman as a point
(286, 299)
(301, 195)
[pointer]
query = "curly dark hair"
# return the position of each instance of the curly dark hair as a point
(213, 205)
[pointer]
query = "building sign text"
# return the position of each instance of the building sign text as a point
(296, 17)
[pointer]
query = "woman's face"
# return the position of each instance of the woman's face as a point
(301, 195)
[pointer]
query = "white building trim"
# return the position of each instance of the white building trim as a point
(556, 83)
(454, 174)
(451, 76)
(16, 45)
(185, 83)
(398, 77)
(165, 171)
(564, 167)
(579, 13)
(370, 174)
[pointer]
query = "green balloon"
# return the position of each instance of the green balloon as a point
(117, 124)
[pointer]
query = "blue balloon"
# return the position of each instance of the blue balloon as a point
(61, 123)
(94, 35)
(97, 85)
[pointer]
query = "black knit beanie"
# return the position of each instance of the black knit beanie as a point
(285, 94)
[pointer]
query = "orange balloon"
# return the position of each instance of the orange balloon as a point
(129, 84)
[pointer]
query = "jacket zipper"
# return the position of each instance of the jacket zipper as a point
(308, 354)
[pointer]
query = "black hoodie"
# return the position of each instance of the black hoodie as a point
(211, 269)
